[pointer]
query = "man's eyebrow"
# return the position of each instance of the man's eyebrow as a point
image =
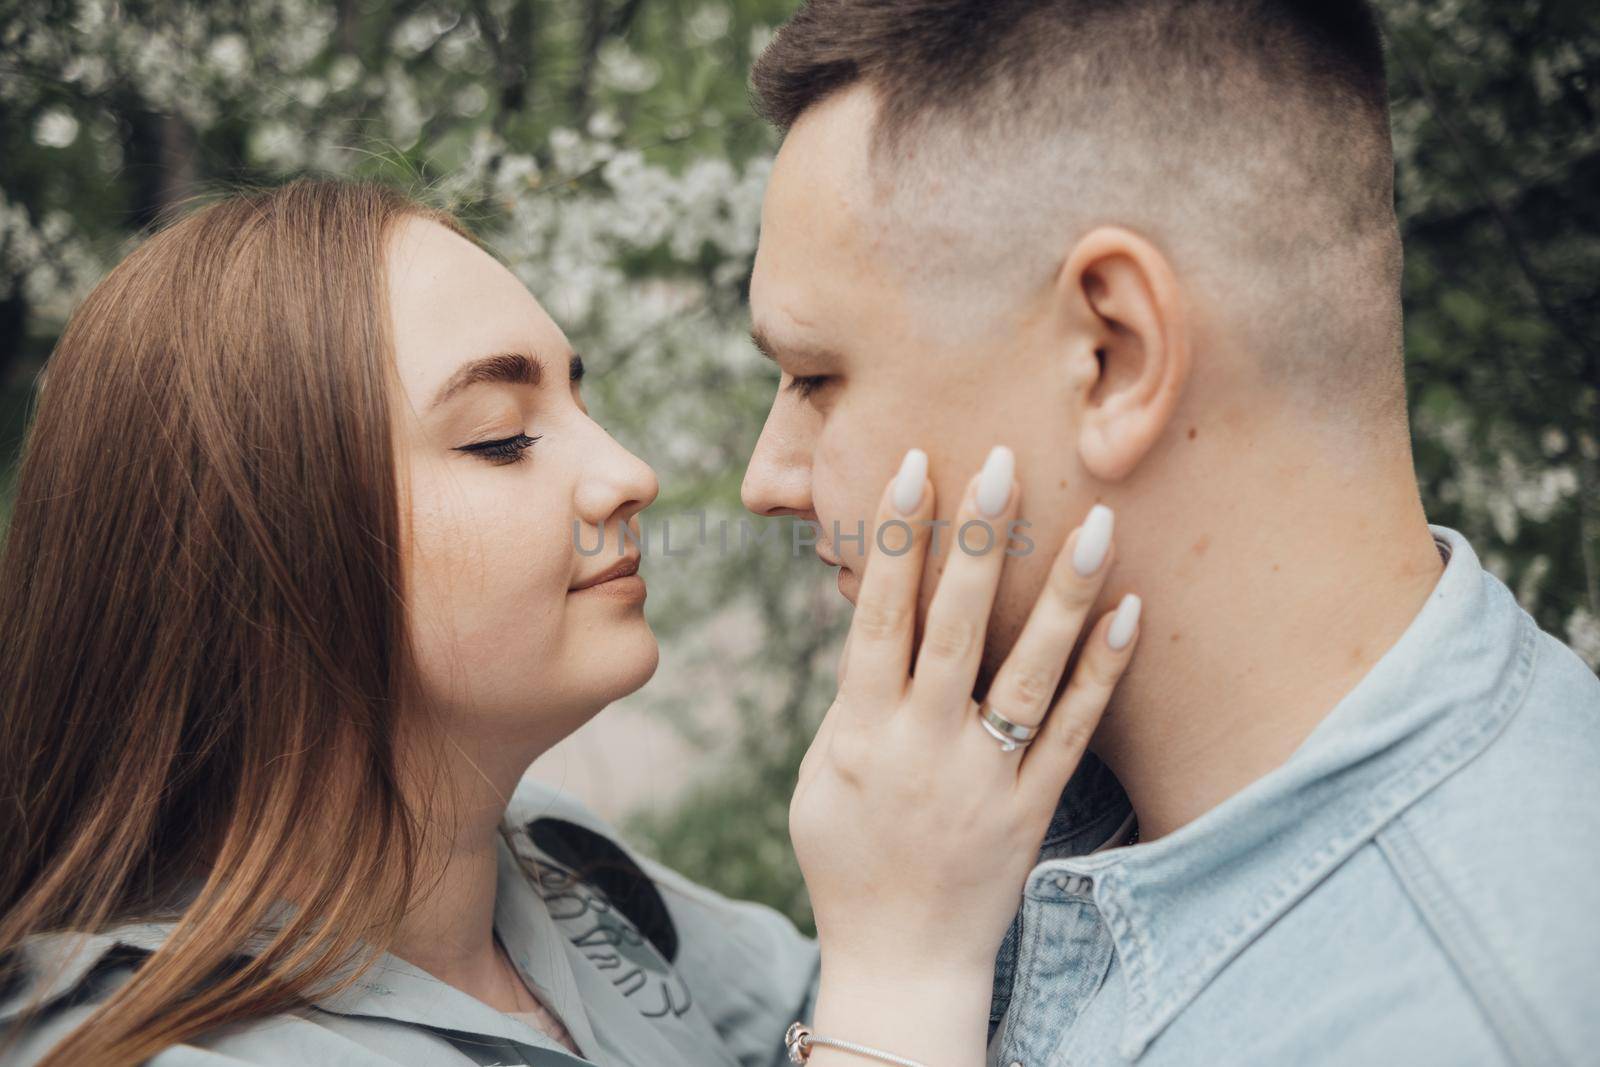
(516, 368)
(763, 343)
(773, 349)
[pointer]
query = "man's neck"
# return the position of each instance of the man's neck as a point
(1256, 628)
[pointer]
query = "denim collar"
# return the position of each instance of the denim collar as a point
(1180, 908)
(1091, 812)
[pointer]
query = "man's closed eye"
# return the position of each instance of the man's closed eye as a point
(806, 385)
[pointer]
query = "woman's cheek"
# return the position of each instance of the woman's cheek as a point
(488, 571)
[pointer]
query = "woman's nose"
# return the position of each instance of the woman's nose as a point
(616, 484)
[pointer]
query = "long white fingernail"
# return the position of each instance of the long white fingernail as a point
(994, 481)
(1120, 631)
(1093, 540)
(908, 483)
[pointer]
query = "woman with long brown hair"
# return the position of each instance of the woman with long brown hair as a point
(299, 580)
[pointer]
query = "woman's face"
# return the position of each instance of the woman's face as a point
(501, 468)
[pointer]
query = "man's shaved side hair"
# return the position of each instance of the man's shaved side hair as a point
(1247, 139)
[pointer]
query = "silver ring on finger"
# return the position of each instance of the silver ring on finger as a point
(1011, 735)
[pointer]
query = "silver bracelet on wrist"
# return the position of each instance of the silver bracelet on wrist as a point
(800, 1039)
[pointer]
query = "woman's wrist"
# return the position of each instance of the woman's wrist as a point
(936, 1015)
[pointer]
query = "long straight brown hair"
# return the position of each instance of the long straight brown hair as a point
(202, 637)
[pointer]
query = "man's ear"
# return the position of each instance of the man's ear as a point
(1125, 317)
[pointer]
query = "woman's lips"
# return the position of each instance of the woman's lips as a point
(621, 579)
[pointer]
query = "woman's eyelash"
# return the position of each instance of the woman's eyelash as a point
(805, 385)
(505, 450)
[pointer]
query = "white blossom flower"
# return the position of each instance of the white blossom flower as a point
(229, 55)
(1583, 634)
(709, 22)
(55, 128)
(621, 68)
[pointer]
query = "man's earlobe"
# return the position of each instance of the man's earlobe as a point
(1123, 298)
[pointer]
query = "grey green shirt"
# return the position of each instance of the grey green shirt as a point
(641, 965)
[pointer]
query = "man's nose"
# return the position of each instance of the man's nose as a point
(778, 478)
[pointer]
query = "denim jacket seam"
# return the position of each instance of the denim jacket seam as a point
(1126, 919)
(1505, 1013)
(1359, 828)
(1225, 945)
(1027, 957)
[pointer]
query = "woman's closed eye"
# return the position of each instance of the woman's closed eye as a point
(506, 450)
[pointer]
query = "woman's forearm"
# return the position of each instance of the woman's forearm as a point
(934, 1015)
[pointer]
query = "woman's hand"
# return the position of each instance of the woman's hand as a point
(914, 828)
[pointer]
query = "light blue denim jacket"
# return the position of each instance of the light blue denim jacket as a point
(1418, 884)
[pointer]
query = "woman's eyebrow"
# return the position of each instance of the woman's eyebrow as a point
(516, 368)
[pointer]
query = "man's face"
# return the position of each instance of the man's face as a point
(868, 371)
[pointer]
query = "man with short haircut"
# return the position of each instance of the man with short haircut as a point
(1346, 805)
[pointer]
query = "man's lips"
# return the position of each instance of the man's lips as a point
(824, 547)
(848, 584)
(623, 568)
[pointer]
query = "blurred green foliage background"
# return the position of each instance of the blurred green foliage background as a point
(606, 150)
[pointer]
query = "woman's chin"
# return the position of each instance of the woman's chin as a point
(626, 664)
(647, 665)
